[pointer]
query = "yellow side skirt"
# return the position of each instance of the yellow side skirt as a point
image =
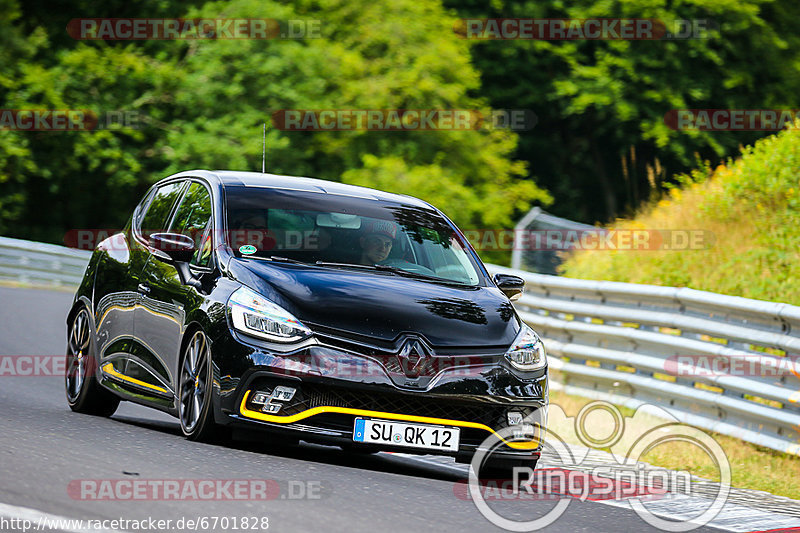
(108, 368)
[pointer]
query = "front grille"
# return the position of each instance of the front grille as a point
(310, 395)
(359, 344)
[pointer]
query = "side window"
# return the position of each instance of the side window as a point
(155, 219)
(140, 210)
(193, 218)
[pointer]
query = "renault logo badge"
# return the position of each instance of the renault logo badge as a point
(413, 357)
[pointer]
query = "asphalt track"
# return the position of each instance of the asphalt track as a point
(45, 449)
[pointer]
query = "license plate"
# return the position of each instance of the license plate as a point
(405, 434)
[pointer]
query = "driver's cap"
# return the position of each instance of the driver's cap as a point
(387, 228)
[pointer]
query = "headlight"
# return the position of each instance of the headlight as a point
(254, 315)
(527, 352)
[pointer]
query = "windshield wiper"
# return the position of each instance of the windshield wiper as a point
(285, 260)
(345, 265)
(390, 268)
(409, 274)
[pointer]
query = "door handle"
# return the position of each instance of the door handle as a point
(144, 289)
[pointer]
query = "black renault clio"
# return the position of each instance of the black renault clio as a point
(312, 309)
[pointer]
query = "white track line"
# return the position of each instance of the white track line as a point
(732, 517)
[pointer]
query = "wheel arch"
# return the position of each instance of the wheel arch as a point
(196, 321)
(81, 302)
(85, 291)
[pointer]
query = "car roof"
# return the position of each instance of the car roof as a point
(257, 179)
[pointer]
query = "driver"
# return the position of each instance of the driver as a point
(250, 227)
(377, 241)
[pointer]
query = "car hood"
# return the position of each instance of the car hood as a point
(381, 306)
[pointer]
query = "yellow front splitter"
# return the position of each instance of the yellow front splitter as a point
(257, 415)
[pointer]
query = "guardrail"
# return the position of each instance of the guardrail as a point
(41, 264)
(621, 342)
(722, 363)
(542, 261)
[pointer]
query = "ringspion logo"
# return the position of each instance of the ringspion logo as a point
(577, 475)
(600, 483)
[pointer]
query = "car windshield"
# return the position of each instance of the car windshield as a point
(346, 232)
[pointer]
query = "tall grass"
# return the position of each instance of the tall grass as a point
(750, 205)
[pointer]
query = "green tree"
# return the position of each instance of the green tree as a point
(16, 53)
(601, 144)
(202, 104)
(370, 56)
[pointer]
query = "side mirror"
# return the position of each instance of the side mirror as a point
(512, 286)
(177, 250)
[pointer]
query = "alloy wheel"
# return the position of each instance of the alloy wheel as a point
(78, 355)
(194, 381)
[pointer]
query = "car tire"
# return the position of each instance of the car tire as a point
(195, 388)
(84, 393)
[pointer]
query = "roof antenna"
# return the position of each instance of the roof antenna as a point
(264, 152)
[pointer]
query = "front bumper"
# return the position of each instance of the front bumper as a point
(335, 386)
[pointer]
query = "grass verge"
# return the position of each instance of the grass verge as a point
(748, 214)
(752, 467)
